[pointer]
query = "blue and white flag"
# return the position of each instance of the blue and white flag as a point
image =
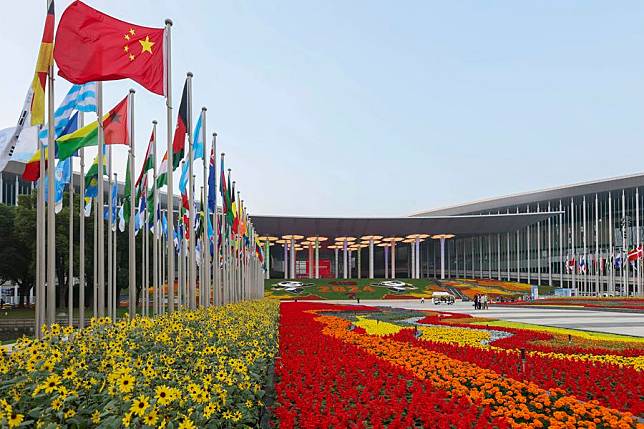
(121, 219)
(63, 171)
(197, 153)
(79, 97)
(164, 226)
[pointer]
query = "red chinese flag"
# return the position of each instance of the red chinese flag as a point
(92, 46)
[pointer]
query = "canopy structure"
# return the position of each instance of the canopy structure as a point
(466, 225)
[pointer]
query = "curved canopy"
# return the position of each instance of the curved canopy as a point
(358, 227)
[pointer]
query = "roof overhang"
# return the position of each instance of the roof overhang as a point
(469, 225)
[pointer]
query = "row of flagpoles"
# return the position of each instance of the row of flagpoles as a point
(218, 257)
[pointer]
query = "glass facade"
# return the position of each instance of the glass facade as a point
(585, 246)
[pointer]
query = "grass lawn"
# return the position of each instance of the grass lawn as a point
(367, 289)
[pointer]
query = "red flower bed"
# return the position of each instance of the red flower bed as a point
(323, 382)
(614, 386)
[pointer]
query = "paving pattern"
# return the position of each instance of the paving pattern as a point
(587, 320)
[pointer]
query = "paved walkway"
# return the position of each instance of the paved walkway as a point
(599, 321)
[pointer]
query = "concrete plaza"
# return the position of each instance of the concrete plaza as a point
(586, 320)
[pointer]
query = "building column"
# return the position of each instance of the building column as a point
(528, 249)
(317, 258)
(285, 259)
(386, 261)
(417, 244)
(561, 265)
(345, 256)
(393, 259)
(597, 258)
(585, 241)
(336, 263)
(625, 279)
(412, 261)
(442, 258)
(371, 258)
(638, 290)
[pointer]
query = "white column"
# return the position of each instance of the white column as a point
(344, 259)
(393, 259)
(412, 260)
(336, 262)
(293, 258)
(285, 260)
(386, 262)
(359, 252)
(561, 266)
(317, 258)
(528, 248)
(371, 258)
(417, 244)
(574, 248)
(538, 249)
(498, 257)
(442, 258)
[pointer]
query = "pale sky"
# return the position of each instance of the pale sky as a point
(381, 108)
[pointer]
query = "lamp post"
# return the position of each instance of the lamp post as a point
(442, 238)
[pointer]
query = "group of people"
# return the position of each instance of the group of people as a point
(480, 302)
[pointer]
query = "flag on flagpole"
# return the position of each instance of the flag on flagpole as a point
(93, 46)
(179, 139)
(162, 174)
(91, 177)
(115, 131)
(44, 62)
(212, 192)
(62, 174)
(148, 162)
(635, 254)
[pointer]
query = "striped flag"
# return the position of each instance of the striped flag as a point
(162, 175)
(45, 60)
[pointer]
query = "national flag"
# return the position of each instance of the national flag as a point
(148, 162)
(32, 168)
(93, 46)
(115, 131)
(212, 191)
(121, 219)
(162, 174)
(635, 253)
(164, 226)
(617, 261)
(79, 97)
(235, 213)
(88, 207)
(63, 172)
(9, 137)
(259, 251)
(582, 265)
(44, 62)
(91, 177)
(179, 139)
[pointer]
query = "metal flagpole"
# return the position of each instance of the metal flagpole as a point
(155, 238)
(144, 261)
(192, 273)
(215, 226)
(115, 298)
(180, 263)
(81, 228)
(205, 248)
(131, 248)
(40, 242)
(70, 276)
(170, 190)
(100, 271)
(110, 253)
(51, 215)
(95, 262)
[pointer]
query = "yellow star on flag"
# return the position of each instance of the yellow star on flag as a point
(132, 32)
(126, 37)
(131, 57)
(146, 45)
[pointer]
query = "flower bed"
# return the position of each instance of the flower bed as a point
(184, 369)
